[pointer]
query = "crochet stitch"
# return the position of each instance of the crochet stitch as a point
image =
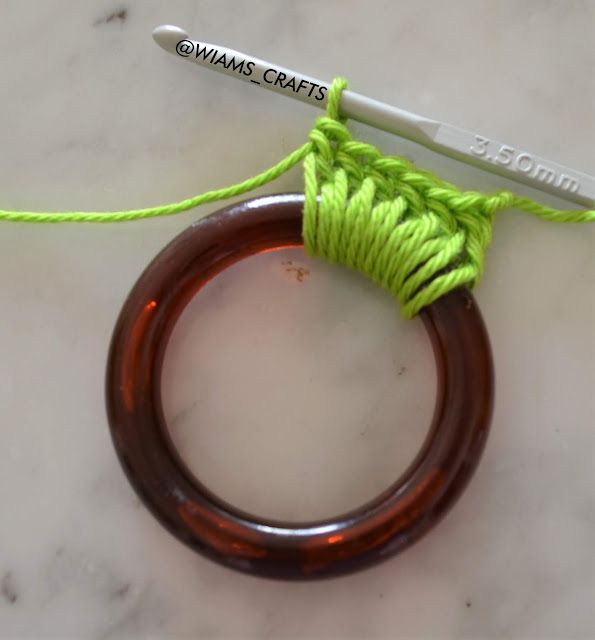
(409, 231)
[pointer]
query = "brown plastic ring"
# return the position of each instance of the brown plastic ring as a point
(386, 525)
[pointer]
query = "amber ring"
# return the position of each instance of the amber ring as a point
(389, 523)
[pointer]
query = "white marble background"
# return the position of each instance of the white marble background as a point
(294, 399)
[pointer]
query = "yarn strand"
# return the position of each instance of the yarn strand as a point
(46, 217)
(405, 228)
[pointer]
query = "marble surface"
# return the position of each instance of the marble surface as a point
(293, 388)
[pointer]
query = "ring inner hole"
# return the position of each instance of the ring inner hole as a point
(294, 390)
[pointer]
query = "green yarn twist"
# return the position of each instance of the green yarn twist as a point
(409, 231)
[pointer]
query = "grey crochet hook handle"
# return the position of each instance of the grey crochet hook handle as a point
(486, 153)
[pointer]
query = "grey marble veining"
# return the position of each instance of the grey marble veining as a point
(293, 388)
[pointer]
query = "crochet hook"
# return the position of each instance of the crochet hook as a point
(481, 151)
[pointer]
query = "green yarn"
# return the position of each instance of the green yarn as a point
(167, 209)
(409, 231)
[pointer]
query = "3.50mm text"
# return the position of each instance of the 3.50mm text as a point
(522, 162)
